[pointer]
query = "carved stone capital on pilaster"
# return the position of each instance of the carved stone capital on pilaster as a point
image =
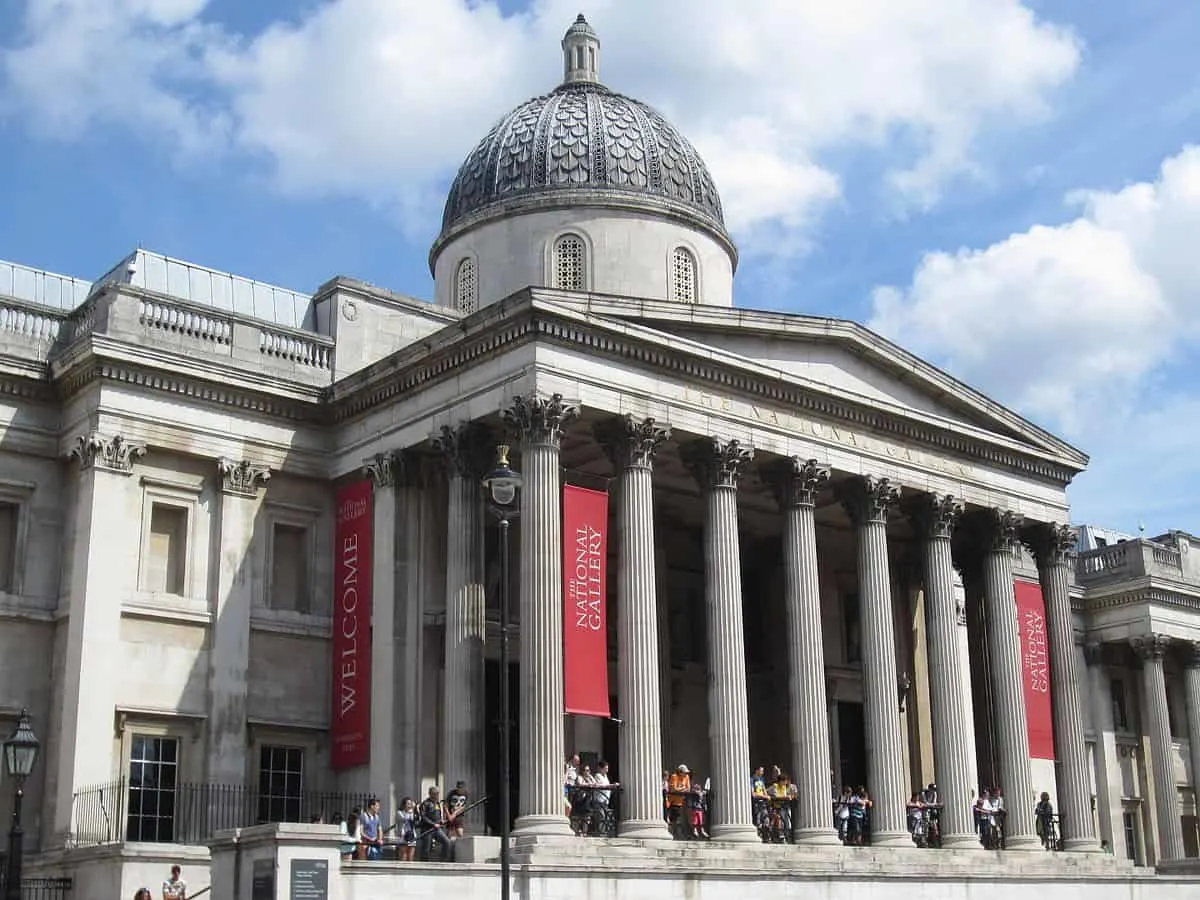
(381, 469)
(244, 477)
(796, 481)
(631, 443)
(1150, 647)
(934, 515)
(539, 420)
(1051, 544)
(114, 454)
(468, 449)
(1094, 654)
(1191, 654)
(867, 498)
(715, 463)
(999, 530)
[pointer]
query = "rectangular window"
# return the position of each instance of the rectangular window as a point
(1120, 711)
(8, 546)
(280, 784)
(166, 550)
(1101, 542)
(852, 628)
(290, 553)
(153, 782)
(1172, 719)
(1129, 823)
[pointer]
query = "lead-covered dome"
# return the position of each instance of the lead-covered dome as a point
(583, 144)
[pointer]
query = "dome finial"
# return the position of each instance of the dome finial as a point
(581, 53)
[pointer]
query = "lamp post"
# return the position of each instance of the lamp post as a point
(503, 485)
(20, 755)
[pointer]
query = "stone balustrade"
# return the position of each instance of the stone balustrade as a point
(1129, 559)
(27, 330)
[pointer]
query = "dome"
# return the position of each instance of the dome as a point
(583, 144)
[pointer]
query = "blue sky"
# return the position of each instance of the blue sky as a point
(1003, 187)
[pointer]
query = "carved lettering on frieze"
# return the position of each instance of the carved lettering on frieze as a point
(242, 477)
(116, 454)
(630, 442)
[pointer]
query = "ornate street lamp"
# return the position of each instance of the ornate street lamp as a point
(503, 485)
(20, 756)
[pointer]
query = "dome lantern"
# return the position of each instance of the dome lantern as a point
(581, 53)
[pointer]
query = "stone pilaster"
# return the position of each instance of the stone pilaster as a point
(999, 532)
(1191, 685)
(467, 451)
(935, 517)
(1053, 547)
(716, 465)
(632, 444)
(241, 484)
(797, 482)
(1107, 768)
(382, 469)
(869, 501)
(538, 423)
(103, 570)
(1151, 649)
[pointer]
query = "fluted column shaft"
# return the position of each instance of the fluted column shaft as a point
(1010, 718)
(949, 699)
(797, 483)
(1152, 649)
(538, 423)
(869, 501)
(1052, 546)
(716, 465)
(1192, 689)
(632, 444)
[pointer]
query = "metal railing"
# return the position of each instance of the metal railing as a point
(191, 813)
(40, 888)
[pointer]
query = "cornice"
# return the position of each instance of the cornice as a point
(1141, 595)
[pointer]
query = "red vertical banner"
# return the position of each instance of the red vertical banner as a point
(350, 722)
(1035, 668)
(585, 619)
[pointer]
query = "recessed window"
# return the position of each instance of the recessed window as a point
(290, 552)
(683, 276)
(466, 287)
(280, 784)
(569, 263)
(153, 782)
(8, 546)
(1119, 708)
(166, 550)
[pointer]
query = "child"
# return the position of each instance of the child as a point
(695, 806)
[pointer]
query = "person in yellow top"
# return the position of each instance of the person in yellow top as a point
(678, 786)
(781, 793)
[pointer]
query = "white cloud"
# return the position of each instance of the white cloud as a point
(1080, 325)
(381, 99)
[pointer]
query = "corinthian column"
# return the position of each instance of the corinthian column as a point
(466, 451)
(1192, 689)
(1152, 648)
(537, 423)
(631, 444)
(935, 517)
(797, 483)
(869, 501)
(716, 465)
(998, 529)
(1052, 547)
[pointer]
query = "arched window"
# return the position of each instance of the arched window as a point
(466, 287)
(683, 276)
(569, 262)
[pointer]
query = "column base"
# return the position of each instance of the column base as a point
(644, 830)
(892, 839)
(735, 834)
(1081, 845)
(1023, 842)
(966, 841)
(816, 837)
(551, 826)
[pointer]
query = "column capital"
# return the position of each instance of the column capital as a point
(243, 477)
(468, 449)
(540, 420)
(868, 498)
(1191, 654)
(999, 529)
(797, 481)
(715, 463)
(382, 469)
(1150, 646)
(935, 515)
(631, 443)
(1050, 543)
(1093, 653)
(114, 454)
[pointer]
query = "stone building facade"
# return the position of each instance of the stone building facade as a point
(816, 541)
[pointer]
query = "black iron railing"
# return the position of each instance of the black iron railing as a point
(40, 888)
(190, 813)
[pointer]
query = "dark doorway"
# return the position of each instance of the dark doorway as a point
(852, 741)
(492, 743)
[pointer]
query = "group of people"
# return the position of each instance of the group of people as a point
(419, 828)
(588, 796)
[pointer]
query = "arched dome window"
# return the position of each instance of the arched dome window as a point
(466, 287)
(570, 263)
(683, 275)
